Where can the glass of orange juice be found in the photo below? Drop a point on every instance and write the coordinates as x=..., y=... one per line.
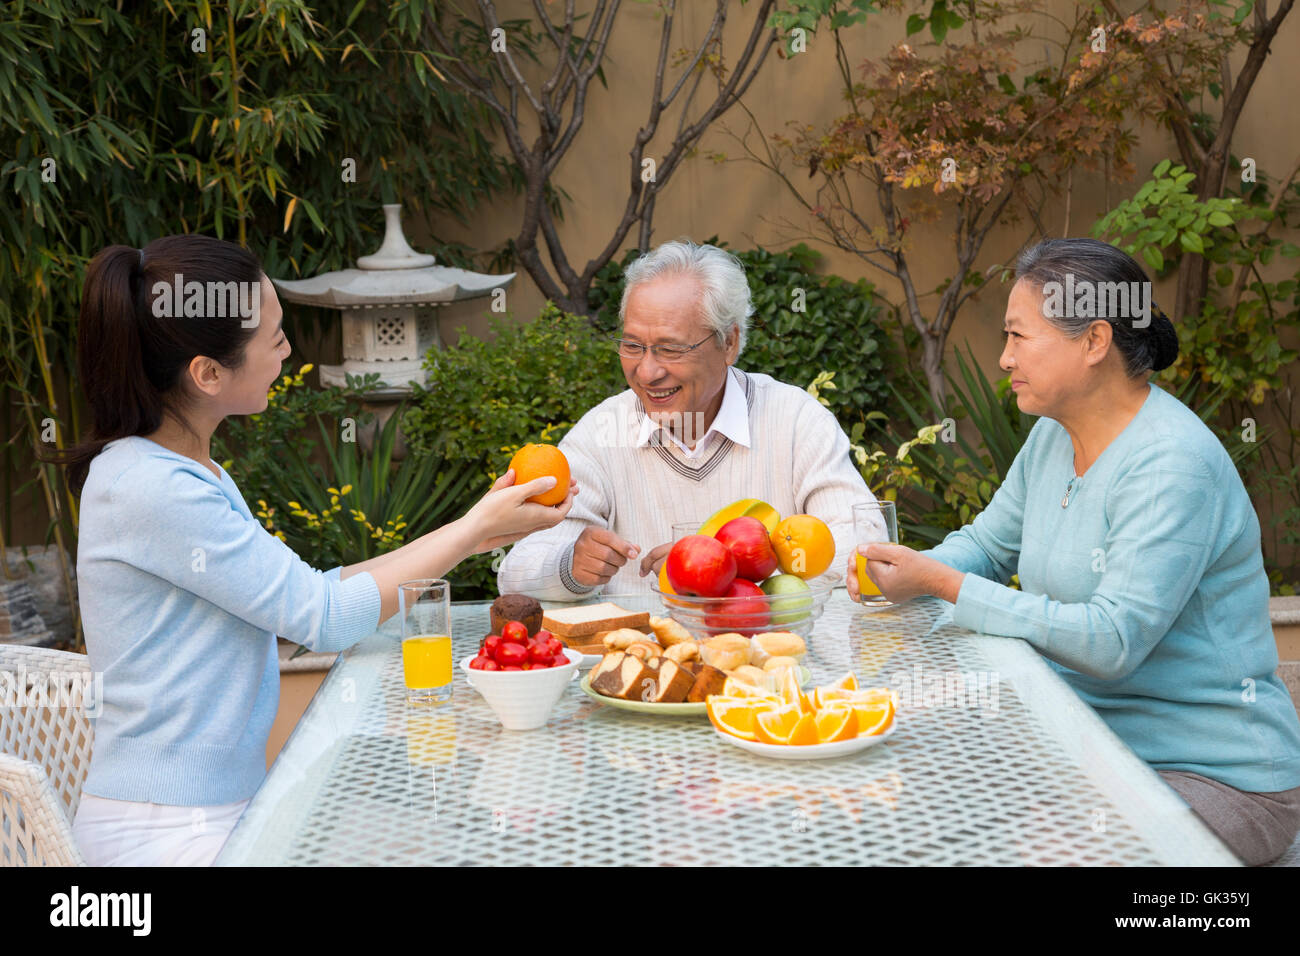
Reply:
x=874, y=522
x=425, y=609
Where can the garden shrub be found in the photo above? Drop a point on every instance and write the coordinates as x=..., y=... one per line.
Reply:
x=487, y=397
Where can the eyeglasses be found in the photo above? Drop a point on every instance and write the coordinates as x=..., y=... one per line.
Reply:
x=664, y=353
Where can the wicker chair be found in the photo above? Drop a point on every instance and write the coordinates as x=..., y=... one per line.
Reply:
x=44, y=756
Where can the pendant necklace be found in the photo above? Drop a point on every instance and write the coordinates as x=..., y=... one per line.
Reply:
x=1069, y=490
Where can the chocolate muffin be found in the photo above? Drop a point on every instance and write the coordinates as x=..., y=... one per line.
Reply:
x=516, y=607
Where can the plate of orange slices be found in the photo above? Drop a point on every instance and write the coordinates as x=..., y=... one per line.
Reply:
x=834, y=720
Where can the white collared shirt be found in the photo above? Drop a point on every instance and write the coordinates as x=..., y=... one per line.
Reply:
x=731, y=421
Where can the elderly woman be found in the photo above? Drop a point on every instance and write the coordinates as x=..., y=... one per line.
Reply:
x=1138, y=551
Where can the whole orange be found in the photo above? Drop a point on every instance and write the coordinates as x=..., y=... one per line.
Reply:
x=537, y=461
x=664, y=586
x=804, y=546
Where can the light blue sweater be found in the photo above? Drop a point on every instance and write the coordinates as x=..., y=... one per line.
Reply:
x=182, y=594
x=1147, y=593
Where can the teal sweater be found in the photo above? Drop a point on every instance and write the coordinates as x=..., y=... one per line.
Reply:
x=182, y=594
x=1147, y=593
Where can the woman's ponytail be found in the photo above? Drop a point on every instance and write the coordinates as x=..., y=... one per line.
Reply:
x=130, y=359
x=1162, y=341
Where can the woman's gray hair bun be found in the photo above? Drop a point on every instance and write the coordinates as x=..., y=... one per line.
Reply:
x=1149, y=345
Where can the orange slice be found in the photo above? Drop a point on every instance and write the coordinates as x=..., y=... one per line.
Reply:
x=774, y=725
x=734, y=687
x=838, y=722
x=872, y=695
x=735, y=715
x=874, y=718
x=792, y=693
x=805, y=731
x=847, y=682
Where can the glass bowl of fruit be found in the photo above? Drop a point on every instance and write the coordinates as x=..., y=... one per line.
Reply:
x=792, y=605
x=748, y=573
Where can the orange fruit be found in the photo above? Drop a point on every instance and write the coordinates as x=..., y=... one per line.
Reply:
x=793, y=694
x=804, y=732
x=734, y=687
x=828, y=691
x=736, y=715
x=836, y=723
x=848, y=682
x=664, y=586
x=804, y=546
x=875, y=717
x=823, y=696
x=775, y=724
x=538, y=461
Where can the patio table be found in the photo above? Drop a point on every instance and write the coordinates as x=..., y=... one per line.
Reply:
x=995, y=761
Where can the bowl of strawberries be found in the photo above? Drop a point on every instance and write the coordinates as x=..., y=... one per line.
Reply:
x=521, y=677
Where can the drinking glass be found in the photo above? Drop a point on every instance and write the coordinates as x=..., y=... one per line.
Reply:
x=874, y=522
x=684, y=529
x=425, y=609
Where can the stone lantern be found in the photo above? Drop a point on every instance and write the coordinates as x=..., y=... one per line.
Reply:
x=389, y=311
x=388, y=305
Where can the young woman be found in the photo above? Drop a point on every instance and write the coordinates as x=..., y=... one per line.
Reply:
x=182, y=591
x=1142, y=580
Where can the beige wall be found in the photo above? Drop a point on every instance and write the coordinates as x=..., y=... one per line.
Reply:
x=747, y=207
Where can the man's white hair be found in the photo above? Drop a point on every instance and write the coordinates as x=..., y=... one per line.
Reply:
x=724, y=299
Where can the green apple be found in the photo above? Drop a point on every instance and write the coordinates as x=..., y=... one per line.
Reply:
x=788, y=610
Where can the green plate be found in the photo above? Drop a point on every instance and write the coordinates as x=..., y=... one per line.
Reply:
x=663, y=710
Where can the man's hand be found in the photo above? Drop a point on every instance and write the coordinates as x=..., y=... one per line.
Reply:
x=598, y=554
x=902, y=574
x=655, y=558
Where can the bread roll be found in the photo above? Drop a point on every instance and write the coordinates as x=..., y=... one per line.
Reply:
x=725, y=652
x=644, y=650
x=775, y=664
x=669, y=632
x=777, y=644
x=683, y=652
x=752, y=675
x=621, y=638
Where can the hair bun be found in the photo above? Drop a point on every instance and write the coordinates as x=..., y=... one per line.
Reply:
x=1162, y=340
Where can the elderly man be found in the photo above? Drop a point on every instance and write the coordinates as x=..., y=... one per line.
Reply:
x=690, y=435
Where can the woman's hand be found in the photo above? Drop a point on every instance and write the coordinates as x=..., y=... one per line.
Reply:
x=902, y=574
x=503, y=515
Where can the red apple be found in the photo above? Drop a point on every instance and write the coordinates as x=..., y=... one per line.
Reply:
x=745, y=613
x=698, y=564
x=749, y=543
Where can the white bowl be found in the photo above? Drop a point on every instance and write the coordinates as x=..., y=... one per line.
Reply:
x=522, y=700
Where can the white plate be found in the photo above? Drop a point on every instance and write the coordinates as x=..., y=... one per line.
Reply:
x=841, y=748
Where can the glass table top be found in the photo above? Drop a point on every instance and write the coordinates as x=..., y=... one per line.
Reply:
x=995, y=761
